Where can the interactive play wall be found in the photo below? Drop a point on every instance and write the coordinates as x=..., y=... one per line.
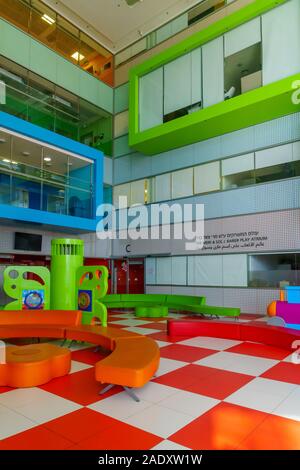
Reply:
x=67, y=286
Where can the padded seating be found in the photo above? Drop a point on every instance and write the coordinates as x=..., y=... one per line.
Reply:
x=185, y=303
x=134, y=359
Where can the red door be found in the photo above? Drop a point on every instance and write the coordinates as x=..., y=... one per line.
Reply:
x=136, y=277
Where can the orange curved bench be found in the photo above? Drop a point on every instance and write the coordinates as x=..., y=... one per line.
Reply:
x=134, y=359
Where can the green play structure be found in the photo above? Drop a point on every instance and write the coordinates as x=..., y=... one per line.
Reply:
x=72, y=286
x=69, y=285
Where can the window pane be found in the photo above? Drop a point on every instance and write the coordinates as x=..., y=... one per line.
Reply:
x=67, y=41
x=96, y=60
x=16, y=12
x=42, y=23
x=274, y=270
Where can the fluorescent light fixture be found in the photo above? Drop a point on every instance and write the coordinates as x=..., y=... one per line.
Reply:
x=5, y=160
x=26, y=154
x=61, y=101
x=10, y=75
x=47, y=159
x=48, y=19
x=2, y=140
x=77, y=56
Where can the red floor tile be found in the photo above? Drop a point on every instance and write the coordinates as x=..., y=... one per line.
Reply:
x=80, y=387
x=80, y=425
x=275, y=433
x=185, y=376
x=224, y=427
x=206, y=381
x=120, y=436
x=285, y=372
x=180, y=352
x=259, y=350
x=161, y=336
x=89, y=356
x=37, y=438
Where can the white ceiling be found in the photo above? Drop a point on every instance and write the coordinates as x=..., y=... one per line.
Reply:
x=116, y=25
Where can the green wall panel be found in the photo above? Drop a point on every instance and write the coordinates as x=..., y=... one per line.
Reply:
x=122, y=98
x=43, y=61
x=67, y=75
x=88, y=89
x=105, y=97
x=14, y=44
x=121, y=146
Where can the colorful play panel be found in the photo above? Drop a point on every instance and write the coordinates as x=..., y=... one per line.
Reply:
x=33, y=365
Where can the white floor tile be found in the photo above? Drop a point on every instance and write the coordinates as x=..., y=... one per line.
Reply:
x=169, y=445
x=154, y=392
x=13, y=423
x=290, y=407
x=119, y=406
x=78, y=366
x=159, y=420
x=22, y=396
x=261, y=394
x=189, y=403
x=141, y=331
x=162, y=344
x=240, y=363
x=218, y=344
x=168, y=365
x=130, y=322
x=47, y=408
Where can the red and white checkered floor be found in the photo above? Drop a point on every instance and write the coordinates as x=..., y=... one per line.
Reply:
x=209, y=393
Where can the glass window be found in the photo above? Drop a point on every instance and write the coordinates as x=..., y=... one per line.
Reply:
x=16, y=12
x=238, y=171
x=182, y=183
x=276, y=270
x=95, y=59
x=95, y=127
x=68, y=42
x=42, y=23
x=207, y=178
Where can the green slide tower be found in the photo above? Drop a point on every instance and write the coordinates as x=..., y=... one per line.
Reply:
x=66, y=258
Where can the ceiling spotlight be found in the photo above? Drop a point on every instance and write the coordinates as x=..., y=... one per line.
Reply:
x=77, y=56
x=47, y=159
x=5, y=160
x=26, y=154
x=2, y=140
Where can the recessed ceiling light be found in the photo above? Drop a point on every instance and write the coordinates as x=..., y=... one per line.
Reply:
x=77, y=56
x=47, y=159
x=14, y=163
x=48, y=19
x=5, y=160
x=2, y=140
x=26, y=154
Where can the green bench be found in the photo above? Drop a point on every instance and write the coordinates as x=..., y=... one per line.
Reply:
x=157, y=305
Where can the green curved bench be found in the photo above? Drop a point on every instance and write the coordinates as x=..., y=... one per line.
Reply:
x=142, y=302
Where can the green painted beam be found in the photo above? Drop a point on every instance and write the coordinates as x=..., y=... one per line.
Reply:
x=257, y=106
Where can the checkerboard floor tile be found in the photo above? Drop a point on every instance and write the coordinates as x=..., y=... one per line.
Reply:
x=202, y=383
